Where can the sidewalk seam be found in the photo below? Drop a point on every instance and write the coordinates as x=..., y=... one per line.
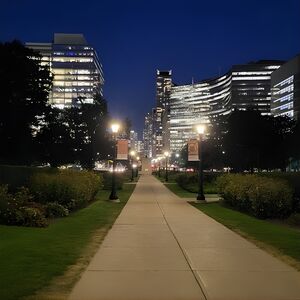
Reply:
x=183, y=252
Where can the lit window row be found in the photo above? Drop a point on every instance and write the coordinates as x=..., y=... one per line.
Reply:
x=284, y=98
x=253, y=73
x=285, y=106
x=72, y=59
x=286, y=81
x=287, y=89
x=252, y=78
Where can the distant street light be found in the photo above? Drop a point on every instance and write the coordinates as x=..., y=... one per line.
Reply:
x=137, y=168
x=159, y=173
x=200, y=196
x=167, y=154
x=132, y=154
x=113, y=195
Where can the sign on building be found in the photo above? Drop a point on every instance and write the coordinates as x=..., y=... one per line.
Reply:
x=122, y=150
x=193, y=150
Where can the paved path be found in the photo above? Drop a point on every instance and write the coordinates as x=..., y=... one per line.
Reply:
x=163, y=248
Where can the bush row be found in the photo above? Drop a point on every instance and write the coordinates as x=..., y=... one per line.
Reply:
x=260, y=196
x=49, y=195
x=189, y=182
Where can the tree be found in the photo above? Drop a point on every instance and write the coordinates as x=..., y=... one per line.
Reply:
x=25, y=85
x=256, y=141
x=76, y=134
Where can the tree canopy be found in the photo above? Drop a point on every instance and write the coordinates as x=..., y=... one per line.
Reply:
x=25, y=85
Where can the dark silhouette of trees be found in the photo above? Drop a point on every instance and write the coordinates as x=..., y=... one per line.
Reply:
x=255, y=141
x=76, y=134
x=24, y=85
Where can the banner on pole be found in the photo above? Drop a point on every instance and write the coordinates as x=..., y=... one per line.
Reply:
x=122, y=147
x=193, y=150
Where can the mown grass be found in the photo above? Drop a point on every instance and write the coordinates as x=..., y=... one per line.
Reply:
x=278, y=239
x=32, y=257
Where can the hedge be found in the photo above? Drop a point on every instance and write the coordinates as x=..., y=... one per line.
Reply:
x=71, y=189
x=260, y=196
x=17, y=176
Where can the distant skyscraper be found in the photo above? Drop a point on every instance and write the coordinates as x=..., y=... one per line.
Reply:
x=133, y=140
x=161, y=113
x=78, y=74
x=286, y=89
x=148, y=135
x=163, y=88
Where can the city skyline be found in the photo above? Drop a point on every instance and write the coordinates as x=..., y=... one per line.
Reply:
x=137, y=38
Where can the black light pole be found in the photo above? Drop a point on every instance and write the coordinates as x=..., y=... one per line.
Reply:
x=200, y=196
x=113, y=195
x=137, y=167
x=167, y=156
x=159, y=174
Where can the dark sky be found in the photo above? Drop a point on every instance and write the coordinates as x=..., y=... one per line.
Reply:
x=135, y=37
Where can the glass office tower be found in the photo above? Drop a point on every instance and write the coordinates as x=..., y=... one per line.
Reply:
x=286, y=89
x=243, y=87
x=77, y=72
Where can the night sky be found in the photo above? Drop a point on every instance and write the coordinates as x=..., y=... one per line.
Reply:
x=135, y=37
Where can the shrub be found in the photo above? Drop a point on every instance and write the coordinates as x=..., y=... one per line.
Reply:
x=189, y=182
x=54, y=210
x=33, y=217
x=8, y=213
x=19, y=210
x=72, y=189
x=18, y=176
x=271, y=198
x=260, y=196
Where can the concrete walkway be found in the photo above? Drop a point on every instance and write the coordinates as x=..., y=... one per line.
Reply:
x=163, y=248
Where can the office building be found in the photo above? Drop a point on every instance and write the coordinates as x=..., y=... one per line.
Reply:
x=285, y=84
x=133, y=140
x=246, y=86
x=194, y=104
x=162, y=112
x=148, y=135
x=77, y=71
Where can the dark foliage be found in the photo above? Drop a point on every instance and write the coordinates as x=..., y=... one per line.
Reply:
x=24, y=85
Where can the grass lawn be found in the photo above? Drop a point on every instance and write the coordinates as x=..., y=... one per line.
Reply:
x=279, y=240
x=32, y=257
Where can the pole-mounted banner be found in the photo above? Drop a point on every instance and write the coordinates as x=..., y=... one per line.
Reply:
x=193, y=150
x=122, y=151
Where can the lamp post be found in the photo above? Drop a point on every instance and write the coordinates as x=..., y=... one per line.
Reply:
x=167, y=157
x=200, y=196
x=113, y=195
x=137, y=167
x=159, y=174
x=132, y=154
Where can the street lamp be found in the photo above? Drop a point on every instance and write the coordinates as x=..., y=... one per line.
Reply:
x=132, y=154
x=113, y=195
x=167, y=156
x=200, y=197
x=159, y=159
x=137, y=168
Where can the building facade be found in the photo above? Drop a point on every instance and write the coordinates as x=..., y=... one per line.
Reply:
x=196, y=104
x=77, y=71
x=133, y=140
x=161, y=114
x=251, y=85
x=245, y=86
x=148, y=135
x=285, y=89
